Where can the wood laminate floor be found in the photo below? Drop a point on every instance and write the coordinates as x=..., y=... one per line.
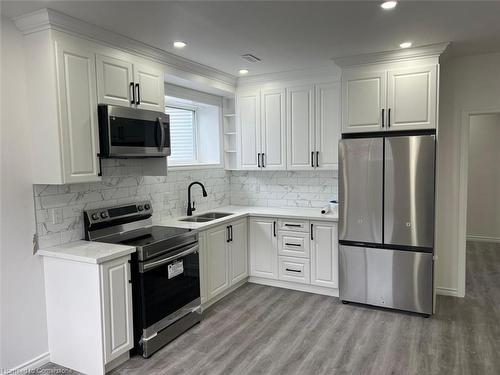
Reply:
x=266, y=330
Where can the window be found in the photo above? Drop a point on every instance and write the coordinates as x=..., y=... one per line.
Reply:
x=182, y=134
x=194, y=132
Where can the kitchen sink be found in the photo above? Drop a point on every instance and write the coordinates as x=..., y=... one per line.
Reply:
x=203, y=218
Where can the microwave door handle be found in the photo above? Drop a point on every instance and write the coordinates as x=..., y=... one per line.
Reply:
x=162, y=131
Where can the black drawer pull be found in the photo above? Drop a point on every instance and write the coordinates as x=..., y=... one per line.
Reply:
x=293, y=244
x=290, y=270
x=293, y=225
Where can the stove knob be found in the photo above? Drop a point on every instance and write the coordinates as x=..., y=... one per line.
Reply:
x=147, y=206
x=140, y=208
x=104, y=214
x=95, y=217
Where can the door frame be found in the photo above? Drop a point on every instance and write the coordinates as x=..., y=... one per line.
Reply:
x=463, y=191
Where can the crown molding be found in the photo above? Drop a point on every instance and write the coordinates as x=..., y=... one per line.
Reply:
x=47, y=18
x=431, y=50
x=331, y=72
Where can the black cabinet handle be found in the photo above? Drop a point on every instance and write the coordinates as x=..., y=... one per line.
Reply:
x=312, y=159
x=293, y=225
x=228, y=236
x=138, y=101
x=263, y=160
x=312, y=237
x=132, y=96
x=389, y=118
x=100, y=165
x=383, y=112
x=293, y=244
x=258, y=160
x=231, y=233
x=291, y=270
x=274, y=228
x=317, y=158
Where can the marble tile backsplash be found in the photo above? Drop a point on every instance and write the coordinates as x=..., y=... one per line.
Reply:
x=168, y=195
x=283, y=188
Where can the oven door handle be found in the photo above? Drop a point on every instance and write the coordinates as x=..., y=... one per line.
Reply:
x=148, y=266
x=162, y=130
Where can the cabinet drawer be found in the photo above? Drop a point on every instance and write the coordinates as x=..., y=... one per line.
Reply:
x=294, y=269
x=295, y=225
x=293, y=244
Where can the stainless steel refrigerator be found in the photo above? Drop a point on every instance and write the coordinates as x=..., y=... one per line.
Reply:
x=386, y=220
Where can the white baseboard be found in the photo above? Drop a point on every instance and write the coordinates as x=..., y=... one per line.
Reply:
x=30, y=365
x=294, y=286
x=483, y=239
x=447, y=292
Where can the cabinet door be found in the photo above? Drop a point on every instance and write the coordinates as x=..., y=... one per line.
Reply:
x=238, y=249
x=114, y=80
x=411, y=98
x=324, y=254
x=300, y=127
x=75, y=64
x=363, y=98
x=273, y=129
x=116, y=298
x=263, y=248
x=217, y=260
x=151, y=90
x=248, y=115
x=328, y=119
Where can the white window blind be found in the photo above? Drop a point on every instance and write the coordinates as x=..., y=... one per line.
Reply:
x=182, y=134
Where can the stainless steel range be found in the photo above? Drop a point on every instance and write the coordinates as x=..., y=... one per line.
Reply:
x=165, y=271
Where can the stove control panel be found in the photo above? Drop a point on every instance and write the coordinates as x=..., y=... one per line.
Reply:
x=100, y=215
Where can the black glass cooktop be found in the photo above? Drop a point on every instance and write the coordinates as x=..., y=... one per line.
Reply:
x=147, y=236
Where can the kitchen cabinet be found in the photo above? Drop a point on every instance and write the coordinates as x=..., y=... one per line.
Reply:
x=324, y=254
x=127, y=83
x=328, y=125
x=98, y=298
x=390, y=99
x=263, y=245
x=248, y=125
x=225, y=249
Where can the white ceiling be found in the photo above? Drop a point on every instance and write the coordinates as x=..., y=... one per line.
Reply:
x=286, y=35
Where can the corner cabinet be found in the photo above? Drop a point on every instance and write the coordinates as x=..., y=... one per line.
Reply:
x=399, y=97
x=263, y=247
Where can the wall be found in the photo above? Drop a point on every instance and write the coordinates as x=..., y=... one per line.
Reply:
x=470, y=83
x=282, y=189
x=168, y=195
x=23, y=332
x=483, y=202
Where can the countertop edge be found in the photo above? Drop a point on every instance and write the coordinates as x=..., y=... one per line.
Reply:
x=55, y=252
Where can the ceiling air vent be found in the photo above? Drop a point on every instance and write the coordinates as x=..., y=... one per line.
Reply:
x=251, y=58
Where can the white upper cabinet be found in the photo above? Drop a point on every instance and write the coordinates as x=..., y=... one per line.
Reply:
x=411, y=98
x=273, y=141
x=328, y=118
x=115, y=81
x=248, y=116
x=300, y=128
x=364, y=99
x=127, y=83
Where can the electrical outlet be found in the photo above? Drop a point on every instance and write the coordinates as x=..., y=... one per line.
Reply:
x=57, y=215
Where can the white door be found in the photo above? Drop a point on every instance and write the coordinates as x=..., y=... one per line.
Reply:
x=300, y=127
x=116, y=308
x=149, y=87
x=324, y=254
x=328, y=125
x=217, y=260
x=78, y=109
x=263, y=248
x=115, y=84
x=273, y=129
x=238, y=248
x=411, y=98
x=248, y=117
x=363, y=101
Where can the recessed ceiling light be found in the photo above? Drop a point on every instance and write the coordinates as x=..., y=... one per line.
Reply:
x=243, y=71
x=179, y=44
x=389, y=4
x=405, y=45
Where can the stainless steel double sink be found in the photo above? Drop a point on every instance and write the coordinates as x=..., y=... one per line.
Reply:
x=203, y=218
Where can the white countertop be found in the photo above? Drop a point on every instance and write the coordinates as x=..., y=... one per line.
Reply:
x=87, y=251
x=244, y=211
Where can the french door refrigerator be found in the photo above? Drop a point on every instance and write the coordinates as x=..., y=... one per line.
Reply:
x=386, y=220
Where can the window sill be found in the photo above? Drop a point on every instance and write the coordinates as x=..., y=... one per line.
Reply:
x=186, y=167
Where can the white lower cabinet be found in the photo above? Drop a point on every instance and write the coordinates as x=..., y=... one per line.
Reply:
x=89, y=313
x=294, y=269
x=224, y=258
x=263, y=247
x=324, y=254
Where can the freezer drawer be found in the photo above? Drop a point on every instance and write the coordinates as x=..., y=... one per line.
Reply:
x=388, y=278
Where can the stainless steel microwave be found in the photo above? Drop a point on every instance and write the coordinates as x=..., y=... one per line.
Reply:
x=133, y=133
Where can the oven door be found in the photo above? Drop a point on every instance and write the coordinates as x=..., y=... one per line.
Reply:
x=169, y=288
